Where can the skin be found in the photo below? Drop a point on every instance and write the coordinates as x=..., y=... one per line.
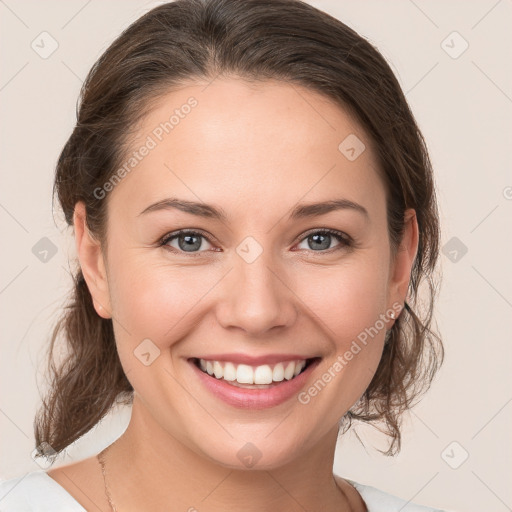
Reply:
x=254, y=150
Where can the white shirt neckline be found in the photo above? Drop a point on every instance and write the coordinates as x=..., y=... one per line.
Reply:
x=38, y=491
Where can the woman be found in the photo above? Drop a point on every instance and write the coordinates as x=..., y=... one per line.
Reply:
x=254, y=212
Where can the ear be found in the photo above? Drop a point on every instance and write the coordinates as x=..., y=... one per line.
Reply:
x=92, y=263
x=401, y=266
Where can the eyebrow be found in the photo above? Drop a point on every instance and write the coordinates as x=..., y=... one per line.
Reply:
x=199, y=209
x=299, y=212
x=316, y=209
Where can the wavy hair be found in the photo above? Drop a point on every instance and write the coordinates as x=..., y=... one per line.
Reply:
x=287, y=40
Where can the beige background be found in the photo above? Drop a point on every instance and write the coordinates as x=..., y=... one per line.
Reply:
x=463, y=106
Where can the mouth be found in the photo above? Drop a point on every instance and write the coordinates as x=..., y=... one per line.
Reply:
x=251, y=376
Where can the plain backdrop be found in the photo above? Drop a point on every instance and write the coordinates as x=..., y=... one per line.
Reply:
x=453, y=60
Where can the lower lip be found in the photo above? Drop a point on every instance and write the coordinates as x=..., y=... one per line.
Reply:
x=245, y=398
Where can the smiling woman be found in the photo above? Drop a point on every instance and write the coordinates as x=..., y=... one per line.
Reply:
x=250, y=284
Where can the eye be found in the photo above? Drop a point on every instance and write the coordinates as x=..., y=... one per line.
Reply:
x=190, y=241
x=320, y=240
x=187, y=241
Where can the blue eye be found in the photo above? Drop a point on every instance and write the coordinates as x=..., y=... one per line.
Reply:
x=188, y=241
x=321, y=240
x=318, y=241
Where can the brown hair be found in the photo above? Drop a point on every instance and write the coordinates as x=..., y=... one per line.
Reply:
x=287, y=40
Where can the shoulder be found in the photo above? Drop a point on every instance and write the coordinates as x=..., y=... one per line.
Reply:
x=380, y=501
x=36, y=491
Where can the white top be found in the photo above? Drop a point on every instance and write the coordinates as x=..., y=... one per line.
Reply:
x=38, y=492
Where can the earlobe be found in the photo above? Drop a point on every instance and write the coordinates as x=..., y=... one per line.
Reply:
x=92, y=262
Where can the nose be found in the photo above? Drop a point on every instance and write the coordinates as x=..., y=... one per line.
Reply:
x=256, y=297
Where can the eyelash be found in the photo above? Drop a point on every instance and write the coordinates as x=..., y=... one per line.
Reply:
x=345, y=240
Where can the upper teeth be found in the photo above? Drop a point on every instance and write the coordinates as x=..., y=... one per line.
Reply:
x=245, y=374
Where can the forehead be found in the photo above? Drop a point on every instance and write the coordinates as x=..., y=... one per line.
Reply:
x=249, y=145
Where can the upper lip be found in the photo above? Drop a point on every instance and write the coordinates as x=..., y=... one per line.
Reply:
x=254, y=360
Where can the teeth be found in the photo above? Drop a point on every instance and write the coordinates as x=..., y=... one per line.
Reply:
x=298, y=369
x=229, y=371
x=278, y=373
x=263, y=374
x=217, y=370
x=245, y=374
x=289, y=371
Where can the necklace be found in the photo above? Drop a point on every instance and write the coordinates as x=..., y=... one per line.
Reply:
x=101, y=460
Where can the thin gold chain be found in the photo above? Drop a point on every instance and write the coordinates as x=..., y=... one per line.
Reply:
x=101, y=460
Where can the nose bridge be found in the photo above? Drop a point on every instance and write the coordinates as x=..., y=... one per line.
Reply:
x=256, y=297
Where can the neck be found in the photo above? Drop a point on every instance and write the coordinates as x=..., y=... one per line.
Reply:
x=148, y=469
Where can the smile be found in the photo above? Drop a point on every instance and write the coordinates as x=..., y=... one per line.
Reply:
x=252, y=376
x=244, y=382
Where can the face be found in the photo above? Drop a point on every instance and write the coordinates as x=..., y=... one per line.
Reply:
x=259, y=279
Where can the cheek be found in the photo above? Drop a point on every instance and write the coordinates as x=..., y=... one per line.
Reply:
x=349, y=303
x=346, y=300
x=156, y=301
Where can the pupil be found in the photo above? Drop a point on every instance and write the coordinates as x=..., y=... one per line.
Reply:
x=326, y=239
x=186, y=242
